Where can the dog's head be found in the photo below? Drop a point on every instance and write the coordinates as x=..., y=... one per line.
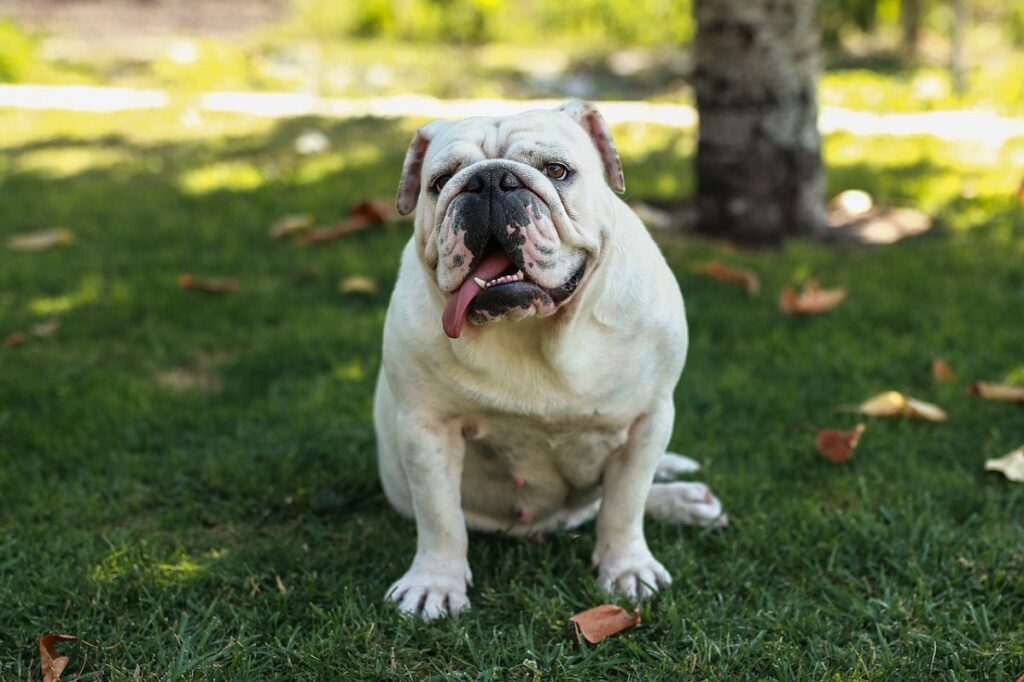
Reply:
x=510, y=210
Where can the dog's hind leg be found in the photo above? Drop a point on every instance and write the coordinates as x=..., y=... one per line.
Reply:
x=672, y=466
x=687, y=503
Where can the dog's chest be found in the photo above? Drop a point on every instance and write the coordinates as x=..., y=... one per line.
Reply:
x=574, y=449
x=527, y=469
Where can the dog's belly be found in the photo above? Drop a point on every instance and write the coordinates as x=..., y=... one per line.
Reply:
x=521, y=474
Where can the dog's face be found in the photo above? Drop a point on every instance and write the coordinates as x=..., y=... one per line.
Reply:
x=510, y=211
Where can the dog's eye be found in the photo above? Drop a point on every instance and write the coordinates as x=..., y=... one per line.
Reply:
x=556, y=171
x=440, y=181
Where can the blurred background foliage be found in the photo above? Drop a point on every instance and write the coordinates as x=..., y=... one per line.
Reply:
x=606, y=23
x=604, y=49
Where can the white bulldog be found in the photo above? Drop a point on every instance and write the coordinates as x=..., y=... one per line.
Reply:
x=555, y=402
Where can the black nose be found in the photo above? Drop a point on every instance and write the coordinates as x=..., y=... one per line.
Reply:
x=503, y=180
x=509, y=182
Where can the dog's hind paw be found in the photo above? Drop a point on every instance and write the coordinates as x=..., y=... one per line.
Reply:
x=685, y=502
x=672, y=466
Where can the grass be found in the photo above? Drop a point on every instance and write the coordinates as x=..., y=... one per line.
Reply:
x=235, y=529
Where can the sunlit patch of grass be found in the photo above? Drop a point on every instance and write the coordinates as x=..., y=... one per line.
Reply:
x=994, y=85
x=88, y=291
x=923, y=170
x=222, y=175
x=64, y=161
x=318, y=167
x=352, y=370
x=144, y=562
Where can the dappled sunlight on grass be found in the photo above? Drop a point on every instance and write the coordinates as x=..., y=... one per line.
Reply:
x=921, y=170
x=352, y=370
x=140, y=561
x=223, y=175
x=210, y=495
x=88, y=291
x=63, y=161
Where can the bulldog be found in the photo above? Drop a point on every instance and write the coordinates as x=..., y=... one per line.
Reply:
x=531, y=348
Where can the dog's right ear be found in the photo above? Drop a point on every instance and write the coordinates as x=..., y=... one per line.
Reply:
x=412, y=169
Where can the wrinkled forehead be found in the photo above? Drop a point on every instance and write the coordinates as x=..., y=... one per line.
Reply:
x=522, y=137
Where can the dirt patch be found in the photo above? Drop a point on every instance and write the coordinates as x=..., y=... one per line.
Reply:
x=201, y=375
x=114, y=19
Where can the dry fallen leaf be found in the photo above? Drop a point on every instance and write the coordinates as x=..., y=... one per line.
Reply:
x=363, y=215
x=14, y=339
x=838, y=446
x=358, y=284
x=378, y=211
x=603, y=621
x=895, y=404
x=288, y=225
x=52, y=663
x=1010, y=465
x=46, y=327
x=811, y=300
x=208, y=286
x=750, y=281
x=942, y=371
x=40, y=240
x=1003, y=392
x=281, y=587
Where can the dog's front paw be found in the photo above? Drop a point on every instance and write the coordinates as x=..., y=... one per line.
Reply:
x=432, y=592
x=635, y=576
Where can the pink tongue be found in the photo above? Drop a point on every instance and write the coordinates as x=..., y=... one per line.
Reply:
x=454, y=317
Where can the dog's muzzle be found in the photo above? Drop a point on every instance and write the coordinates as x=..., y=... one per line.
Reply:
x=506, y=232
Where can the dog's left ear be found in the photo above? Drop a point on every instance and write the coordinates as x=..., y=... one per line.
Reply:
x=587, y=115
x=412, y=169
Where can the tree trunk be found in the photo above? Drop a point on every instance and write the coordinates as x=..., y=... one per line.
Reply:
x=759, y=172
x=958, y=54
x=910, y=18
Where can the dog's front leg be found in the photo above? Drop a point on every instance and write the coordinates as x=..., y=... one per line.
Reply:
x=625, y=565
x=432, y=454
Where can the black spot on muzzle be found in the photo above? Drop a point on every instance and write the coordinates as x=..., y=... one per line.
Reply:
x=495, y=204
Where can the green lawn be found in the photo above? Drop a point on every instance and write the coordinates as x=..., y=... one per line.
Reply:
x=153, y=519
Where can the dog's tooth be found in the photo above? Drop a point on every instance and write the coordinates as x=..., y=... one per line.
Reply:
x=480, y=283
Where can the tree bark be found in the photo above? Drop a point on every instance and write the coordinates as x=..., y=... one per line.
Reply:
x=958, y=54
x=759, y=171
x=910, y=19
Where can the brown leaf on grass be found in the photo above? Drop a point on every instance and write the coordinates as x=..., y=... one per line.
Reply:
x=208, y=286
x=281, y=587
x=363, y=215
x=1010, y=465
x=838, y=446
x=378, y=211
x=601, y=622
x=46, y=327
x=1003, y=392
x=52, y=663
x=895, y=404
x=40, y=240
x=941, y=370
x=723, y=273
x=14, y=339
x=358, y=284
x=812, y=300
x=286, y=226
